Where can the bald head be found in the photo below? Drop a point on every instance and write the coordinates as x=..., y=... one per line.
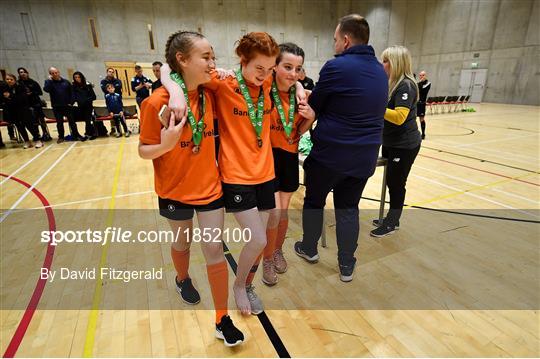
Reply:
x=54, y=73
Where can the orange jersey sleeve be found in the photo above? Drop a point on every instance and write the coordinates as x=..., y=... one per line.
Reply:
x=180, y=174
x=241, y=160
x=278, y=136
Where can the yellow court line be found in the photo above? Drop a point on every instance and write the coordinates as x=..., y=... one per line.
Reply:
x=94, y=313
x=458, y=193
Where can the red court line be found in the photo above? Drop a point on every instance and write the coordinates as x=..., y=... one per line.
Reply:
x=477, y=169
x=40, y=285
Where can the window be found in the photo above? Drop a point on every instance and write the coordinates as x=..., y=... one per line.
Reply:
x=93, y=32
x=28, y=33
x=151, y=36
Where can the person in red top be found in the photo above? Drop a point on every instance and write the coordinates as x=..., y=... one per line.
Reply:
x=289, y=122
x=245, y=159
x=185, y=171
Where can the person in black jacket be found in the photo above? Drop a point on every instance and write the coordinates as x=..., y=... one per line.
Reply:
x=401, y=138
x=18, y=107
x=306, y=82
x=61, y=94
x=84, y=96
x=36, y=103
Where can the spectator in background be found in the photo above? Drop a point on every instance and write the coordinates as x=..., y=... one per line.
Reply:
x=3, y=104
x=423, y=86
x=117, y=84
x=141, y=85
x=156, y=68
x=84, y=96
x=116, y=110
x=306, y=81
x=349, y=102
x=61, y=94
x=18, y=105
x=36, y=103
x=110, y=79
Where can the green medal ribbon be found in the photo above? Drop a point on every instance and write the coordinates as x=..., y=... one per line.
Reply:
x=287, y=126
x=197, y=127
x=255, y=118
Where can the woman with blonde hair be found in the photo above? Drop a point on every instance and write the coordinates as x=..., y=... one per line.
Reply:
x=401, y=138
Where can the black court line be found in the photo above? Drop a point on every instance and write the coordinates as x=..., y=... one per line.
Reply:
x=480, y=159
x=263, y=318
x=461, y=213
x=471, y=132
x=453, y=212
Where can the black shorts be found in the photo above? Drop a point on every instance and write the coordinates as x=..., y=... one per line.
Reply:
x=241, y=197
x=420, y=109
x=178, y=211
x=287, y=170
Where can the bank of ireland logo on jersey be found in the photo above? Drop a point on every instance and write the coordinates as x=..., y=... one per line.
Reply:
x=238, y=198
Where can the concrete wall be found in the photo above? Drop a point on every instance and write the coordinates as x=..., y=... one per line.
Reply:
x=444, y=36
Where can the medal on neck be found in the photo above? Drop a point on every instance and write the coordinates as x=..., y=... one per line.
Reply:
x=287, y=125
x=256, y=118
x=197, y=127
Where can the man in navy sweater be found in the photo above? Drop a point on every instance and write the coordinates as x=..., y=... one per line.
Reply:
x=61, y=95
x=349, y=101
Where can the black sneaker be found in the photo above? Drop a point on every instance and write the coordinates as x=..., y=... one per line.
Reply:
x=346, y=272
x=300, y=252
x=226, y=330
x=187, y=291
x=382, y=231
x=375, y=222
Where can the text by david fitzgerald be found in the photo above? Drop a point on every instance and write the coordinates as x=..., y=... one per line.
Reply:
x=105, y=273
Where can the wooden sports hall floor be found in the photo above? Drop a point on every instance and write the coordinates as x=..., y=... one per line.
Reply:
x=445, y=284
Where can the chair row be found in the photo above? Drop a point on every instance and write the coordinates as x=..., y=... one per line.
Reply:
x=442, y=104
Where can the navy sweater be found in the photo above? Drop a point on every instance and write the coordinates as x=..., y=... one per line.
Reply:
x=350, y=100
x=114, y=103
x=60, y=92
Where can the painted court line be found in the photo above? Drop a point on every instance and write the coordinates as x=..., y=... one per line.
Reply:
x=491, y=152
x=26, y=164
x=20, y=332
x=94, y=312
x=495, y=140
x=29, y=190
x=466, y=193
x=96, y=199
x=477, y=184
x=481, y=170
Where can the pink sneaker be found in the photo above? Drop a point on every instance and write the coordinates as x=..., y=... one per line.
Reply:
x=270, y=277
x=280, y=264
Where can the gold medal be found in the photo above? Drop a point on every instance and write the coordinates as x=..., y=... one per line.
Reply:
x=196, y=149
x=259, y=142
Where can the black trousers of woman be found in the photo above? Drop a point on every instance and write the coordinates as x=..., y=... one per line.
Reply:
x=23, y=120
x=85, y=113
x=400, y=161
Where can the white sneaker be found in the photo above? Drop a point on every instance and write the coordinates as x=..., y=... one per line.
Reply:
x=254, y=301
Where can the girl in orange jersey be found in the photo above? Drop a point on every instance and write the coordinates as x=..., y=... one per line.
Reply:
x=289, y=122
x=243, y=108
x=185, y=172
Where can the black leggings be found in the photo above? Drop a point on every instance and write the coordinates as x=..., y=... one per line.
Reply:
x=400, y=161
x=24, y=121
x=85, y=113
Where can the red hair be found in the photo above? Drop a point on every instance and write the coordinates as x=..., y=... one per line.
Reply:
x=254, y=43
